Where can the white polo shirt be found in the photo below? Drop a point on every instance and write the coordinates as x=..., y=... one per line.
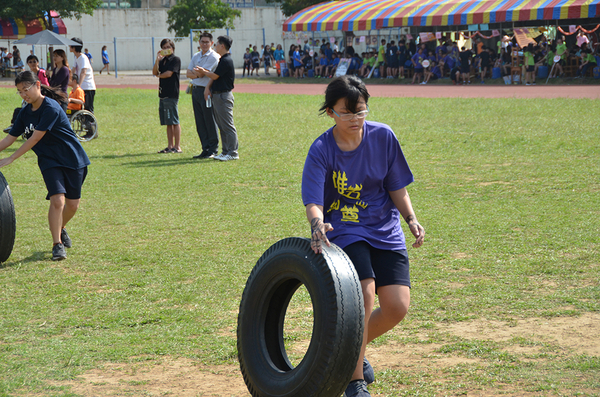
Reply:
x=208, y=61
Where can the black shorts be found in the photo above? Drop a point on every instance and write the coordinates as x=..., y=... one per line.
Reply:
x=531, y=68
x=385, y=266
x=62, y=180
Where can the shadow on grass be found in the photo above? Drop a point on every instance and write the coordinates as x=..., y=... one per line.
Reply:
x=35, y=257
x=169, y=162
x=118, y=156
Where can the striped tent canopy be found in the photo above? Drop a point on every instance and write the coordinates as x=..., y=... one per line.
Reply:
x=14, y=28
x=355, y=15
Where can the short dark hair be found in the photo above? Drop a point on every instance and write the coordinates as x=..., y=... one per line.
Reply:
x=206, y=34
x=77, y=48
x=75, y=77
x=169, y=42
x=30, y=57
x=225, y=40
x=349, y=87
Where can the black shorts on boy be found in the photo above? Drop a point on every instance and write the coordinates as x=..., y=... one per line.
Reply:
x=62, y=180
x=387, y=267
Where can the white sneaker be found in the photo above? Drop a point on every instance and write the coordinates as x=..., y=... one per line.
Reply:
x=226, y=157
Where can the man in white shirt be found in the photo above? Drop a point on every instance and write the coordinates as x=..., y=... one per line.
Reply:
x=205, y=119
x=83, y=69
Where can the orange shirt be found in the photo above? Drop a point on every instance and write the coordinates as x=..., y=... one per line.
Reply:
x=76, y=93
x=479, y=48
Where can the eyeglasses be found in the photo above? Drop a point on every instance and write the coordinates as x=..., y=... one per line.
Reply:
x=24, y=90
x=204, y=42
x=350, y=116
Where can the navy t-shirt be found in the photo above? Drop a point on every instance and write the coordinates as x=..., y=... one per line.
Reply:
x=59, y=147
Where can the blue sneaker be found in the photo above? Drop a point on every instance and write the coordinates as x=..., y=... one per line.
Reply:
x=357, y=388
x=66, y=240
x=368, y=372
x=58, y=252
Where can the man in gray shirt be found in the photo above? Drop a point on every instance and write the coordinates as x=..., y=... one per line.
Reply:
x=206, y=59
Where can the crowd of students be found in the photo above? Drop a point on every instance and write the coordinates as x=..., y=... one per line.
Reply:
x=268, y=56
x=429, y=61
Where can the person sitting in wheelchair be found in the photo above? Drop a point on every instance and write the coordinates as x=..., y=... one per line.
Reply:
x=84, y=127
x=76, y=97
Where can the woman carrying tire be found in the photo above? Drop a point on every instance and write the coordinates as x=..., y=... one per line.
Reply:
x=354, y=189
x=61, y=158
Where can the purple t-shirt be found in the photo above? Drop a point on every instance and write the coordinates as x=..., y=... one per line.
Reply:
x=418, y=58
x=449, y=61
x=353, y=187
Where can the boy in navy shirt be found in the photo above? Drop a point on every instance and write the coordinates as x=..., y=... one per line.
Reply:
x=61, y=158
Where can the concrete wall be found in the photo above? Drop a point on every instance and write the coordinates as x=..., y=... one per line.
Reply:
x=135, y=29
x=139, y=32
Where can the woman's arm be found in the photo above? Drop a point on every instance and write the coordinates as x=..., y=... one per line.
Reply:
x=155, y=67
x=35, y=138
x=318, y=229
x=402, y=201
x=7, y=141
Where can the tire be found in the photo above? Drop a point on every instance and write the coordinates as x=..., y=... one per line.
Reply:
x=338, y=308
x=84, y=124
x=8, y=223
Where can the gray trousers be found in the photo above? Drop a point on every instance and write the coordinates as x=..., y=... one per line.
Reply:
x=205, y=122
x=223, y=110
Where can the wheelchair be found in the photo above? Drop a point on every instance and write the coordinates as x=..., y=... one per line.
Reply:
x=83, y=123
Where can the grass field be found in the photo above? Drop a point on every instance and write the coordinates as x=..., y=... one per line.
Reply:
x=508, y=191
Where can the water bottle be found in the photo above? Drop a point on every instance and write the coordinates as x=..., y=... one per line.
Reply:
x=209, y=102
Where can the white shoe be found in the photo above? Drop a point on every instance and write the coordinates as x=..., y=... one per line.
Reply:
x=226, y=157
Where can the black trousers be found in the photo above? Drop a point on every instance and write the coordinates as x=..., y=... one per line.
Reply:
x=205, y=121
x=89, y=100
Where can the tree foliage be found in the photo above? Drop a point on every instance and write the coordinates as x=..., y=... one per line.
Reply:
x=31, y=9
x=290, y=7
x=200, y=14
